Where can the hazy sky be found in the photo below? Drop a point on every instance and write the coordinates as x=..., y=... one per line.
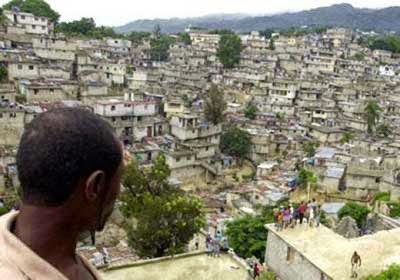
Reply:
x=118, y=12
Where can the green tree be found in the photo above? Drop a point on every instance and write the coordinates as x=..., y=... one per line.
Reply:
x=137, y=37
x=272, y=44
x=360, y=56
x=3, y=73
x=37, y=7
x=267, y=33
x=382, y=196
x=394, y=209
x=157, y=31
x=280, y=117
x=161, y=219
x=247, y=236
x=310, y=148
x=306, y=177
x=229, y=49
x=372, y=114
x=160, y=45
x=387, y=43
x=392, y=273
x=384, y=130
x=250, y=111
x=358, y=212
x=184, y=37
x=214, y=106
x=221, y=32
x=236, y=142
x=86, y=27
x=3, y=18
x=346, y=137
x=267, y=275
x=320, y=29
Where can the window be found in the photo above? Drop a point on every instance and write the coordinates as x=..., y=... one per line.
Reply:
x=31, y=67
x=36, y=19
x=290, y=255
x=112, y=108
x=188, y=158
x=22, y=17
x=43, y=27
x=51, y=90
x=20, y=67
x=178, y=159
x=1, y=115
x=33, y=26
x=35, y=91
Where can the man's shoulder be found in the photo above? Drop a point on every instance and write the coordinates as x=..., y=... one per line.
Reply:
x=9, y=271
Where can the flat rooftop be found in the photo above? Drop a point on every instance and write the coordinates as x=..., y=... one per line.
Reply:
x=198, y=267
x=332, y=253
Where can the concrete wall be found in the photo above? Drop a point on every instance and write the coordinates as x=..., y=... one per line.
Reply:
x=55, y=54
x=11, y=127
x=53, y=72
x=298, y=268
x=189, y=174
x=184, y=162
x=45, y=95
x=23, y=70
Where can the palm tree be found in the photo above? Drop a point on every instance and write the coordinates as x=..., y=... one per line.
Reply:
x=371, y=115
x=307, y=178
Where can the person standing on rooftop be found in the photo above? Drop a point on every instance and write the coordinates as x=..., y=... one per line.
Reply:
x=70, y=165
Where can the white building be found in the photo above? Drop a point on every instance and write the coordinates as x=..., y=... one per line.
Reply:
x=31, y=23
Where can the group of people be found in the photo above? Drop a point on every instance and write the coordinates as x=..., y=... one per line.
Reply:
x=308, y=214
x=216, y=244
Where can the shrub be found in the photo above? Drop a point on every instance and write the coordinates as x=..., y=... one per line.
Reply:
x=358, y=212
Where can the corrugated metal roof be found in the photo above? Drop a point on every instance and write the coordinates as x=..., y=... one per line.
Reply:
x=325, y=153
x=335, y=172
x=332, y=207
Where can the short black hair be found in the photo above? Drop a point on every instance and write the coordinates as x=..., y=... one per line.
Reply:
x=60, y=147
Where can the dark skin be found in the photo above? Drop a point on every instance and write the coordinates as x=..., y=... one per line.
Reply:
x=356, y=259
x=43, y=228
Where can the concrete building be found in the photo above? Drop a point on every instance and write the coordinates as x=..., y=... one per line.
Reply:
x=30, y=23
x=320, y=253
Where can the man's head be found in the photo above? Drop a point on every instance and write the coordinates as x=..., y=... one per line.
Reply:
x=71, y=158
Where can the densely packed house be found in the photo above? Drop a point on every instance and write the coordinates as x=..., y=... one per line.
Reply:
x=311, y=87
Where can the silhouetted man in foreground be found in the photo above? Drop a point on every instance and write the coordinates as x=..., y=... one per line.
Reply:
x=69, y=165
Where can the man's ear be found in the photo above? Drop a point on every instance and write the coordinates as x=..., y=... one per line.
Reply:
x=95, y=185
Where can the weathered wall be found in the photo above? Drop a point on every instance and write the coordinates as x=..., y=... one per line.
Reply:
x=299, y=268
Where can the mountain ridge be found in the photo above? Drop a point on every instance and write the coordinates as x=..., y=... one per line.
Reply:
x=343, y=15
